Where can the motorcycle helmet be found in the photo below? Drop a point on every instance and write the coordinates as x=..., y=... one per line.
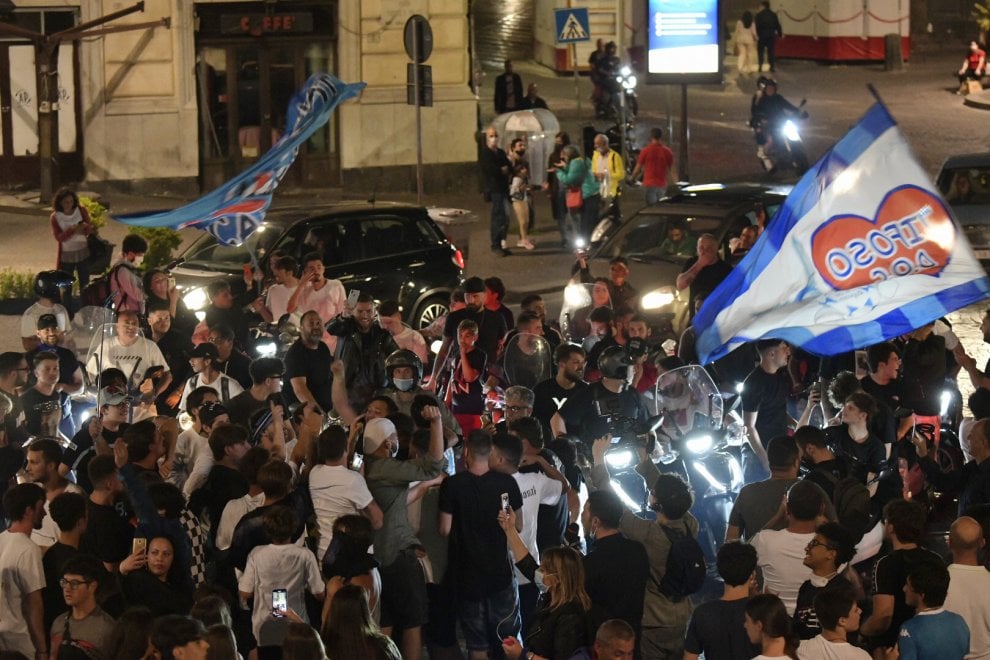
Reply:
x=614, y=362
x=761, y=82
x=404, y=358
x=52, y=284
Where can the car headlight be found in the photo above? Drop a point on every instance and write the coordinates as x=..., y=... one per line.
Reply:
x=196, y=299
x=791, y=131
x=657, y=298
x=576, y=295
x=699, y=444
x=620, y=460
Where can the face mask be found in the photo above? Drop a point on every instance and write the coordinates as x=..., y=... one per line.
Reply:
x=138, y=260
x=492, y=142
x=819, y=581
x=403, y=384
x=538, y=581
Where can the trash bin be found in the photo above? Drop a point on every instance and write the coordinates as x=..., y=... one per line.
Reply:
x=892, y=58
x=456, y=225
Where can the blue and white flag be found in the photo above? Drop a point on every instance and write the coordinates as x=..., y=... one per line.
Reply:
x=234, y=210
x=864, y=249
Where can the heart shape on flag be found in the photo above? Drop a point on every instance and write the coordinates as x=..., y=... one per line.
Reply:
x=911, y=233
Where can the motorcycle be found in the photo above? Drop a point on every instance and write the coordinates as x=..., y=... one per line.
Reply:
x=579, y=300
x=619, y=90
x=780, y=145
x=701, y=443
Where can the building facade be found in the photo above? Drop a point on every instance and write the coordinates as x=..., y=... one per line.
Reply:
x=191, y=104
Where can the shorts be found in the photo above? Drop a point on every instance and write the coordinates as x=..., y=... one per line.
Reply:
x=485, y=623
x=404, y=601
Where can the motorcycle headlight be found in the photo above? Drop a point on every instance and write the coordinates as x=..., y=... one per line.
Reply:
x=945, y=399
x=630, y=83
x=599, y=232
x=436, y=346
x=196, y=299
x=699, y=444
x=266, y=349
x=791, y=131
x=576, y=295
x=620, y=460
x=657, y=298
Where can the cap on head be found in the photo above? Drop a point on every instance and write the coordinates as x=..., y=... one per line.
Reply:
x=210, y=411
x=113, y=396
x=205, y=350
x=474, y=285
x=376, y=432
x=47, y=321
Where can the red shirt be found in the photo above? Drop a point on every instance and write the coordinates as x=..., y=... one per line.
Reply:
x=655, y=159
x=972, y=60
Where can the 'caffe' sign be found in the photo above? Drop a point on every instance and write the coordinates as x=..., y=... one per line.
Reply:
x=257, y=25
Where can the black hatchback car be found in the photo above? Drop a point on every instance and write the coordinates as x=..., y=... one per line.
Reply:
x=391, y=251
x=719, y=209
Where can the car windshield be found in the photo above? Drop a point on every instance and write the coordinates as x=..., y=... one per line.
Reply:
x=654, y=236
x=207, y=253
x=965, y=186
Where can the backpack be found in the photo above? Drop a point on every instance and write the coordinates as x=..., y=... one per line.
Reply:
x=686, y=568
x=853, y=506
x=99, y=291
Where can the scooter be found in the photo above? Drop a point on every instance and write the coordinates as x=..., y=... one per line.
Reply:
x=781, y=146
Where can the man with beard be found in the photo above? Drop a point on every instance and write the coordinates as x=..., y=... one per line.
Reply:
x=553, y=393
x=21, y=609
x=307, y=365
x=764, y=404
x=533, y=302
x=13, y=376
x=362, y=345
x=491, y=325
x=175, y=348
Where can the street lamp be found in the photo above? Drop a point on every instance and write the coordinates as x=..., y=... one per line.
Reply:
x=627, y=83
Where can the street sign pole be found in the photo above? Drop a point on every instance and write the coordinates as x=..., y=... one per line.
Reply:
x=572, y=26
x=577, y=89
x=419, y=123
x=685, y=136
x=418, y=38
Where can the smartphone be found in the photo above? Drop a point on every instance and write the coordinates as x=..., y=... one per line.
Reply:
x=280, y=602
x=352, y=298
x=357, y=462
x=139, y=545
x=505, y=503
x=171, y=282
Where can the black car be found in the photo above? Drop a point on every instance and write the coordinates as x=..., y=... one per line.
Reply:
x=391, y=251
x=723, y=210
x=964, y=181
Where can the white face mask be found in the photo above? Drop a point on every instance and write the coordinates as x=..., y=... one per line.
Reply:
x=492, y=142
x=403, y=384
x=138, y=260
x=538, y=581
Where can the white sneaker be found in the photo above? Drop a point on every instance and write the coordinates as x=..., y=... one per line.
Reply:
x=503, y=243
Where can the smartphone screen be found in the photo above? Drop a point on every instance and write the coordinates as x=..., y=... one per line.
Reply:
x=280, y=602
x=357, y=462
x=505, y=503
x=352, y=298
x=139, y=545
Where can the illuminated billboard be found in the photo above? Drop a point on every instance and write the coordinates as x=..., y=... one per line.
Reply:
x=683, y=42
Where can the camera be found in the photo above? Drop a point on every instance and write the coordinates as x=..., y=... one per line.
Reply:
x=624, y=430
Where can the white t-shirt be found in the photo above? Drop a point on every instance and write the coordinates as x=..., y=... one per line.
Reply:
x=133, y=360
x=820, y=648
x=232, y=514
x=781, y=559
x=969, y=587
x=20, y=562
x=336, y=491
x=328, y=301
x=271, y=567
x=278, y=300
x=227, y=388
x=29, y=320
x=536, y=488
x=189, y=446
x=48, y=534
x=411, y=340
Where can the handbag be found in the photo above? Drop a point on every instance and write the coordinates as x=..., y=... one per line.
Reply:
x=98, y=247
x=574, y=199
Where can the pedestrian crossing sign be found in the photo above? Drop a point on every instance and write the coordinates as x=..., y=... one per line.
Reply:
x=572, y=25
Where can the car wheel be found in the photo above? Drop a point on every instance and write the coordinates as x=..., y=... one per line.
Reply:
x=431, y=309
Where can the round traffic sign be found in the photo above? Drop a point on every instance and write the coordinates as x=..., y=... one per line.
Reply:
x=418, y=38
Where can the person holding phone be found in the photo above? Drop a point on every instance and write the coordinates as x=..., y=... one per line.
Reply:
x=315, y=292
x=277, y=577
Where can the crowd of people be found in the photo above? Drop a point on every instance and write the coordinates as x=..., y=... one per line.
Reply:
x=351, y=500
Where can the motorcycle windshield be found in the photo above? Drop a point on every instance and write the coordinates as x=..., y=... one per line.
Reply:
x=86, y=324
x=580, y=299
x=526, y=360
x=122, y=345
x=689, y=400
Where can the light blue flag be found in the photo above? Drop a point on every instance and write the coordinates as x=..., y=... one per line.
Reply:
x=237, y=208
x=863, y=249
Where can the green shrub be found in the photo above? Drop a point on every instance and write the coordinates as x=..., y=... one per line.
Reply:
x=161, y=242
x=97, y=212
x=14, y=284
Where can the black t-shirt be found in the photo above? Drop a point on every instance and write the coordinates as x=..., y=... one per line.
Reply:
x=766, y=395
x=14, y=421
x=862, y=458
x=491, y=328
x=828, y=473
x=313, y=364
x=478, y=556
x=78, y=455
x=616, y=570
x=222, y=485
x=548, y=397
x=108, y=535
x=33, y=401
x=891, y=575
x=175, y=349
x=242, y=406
x=889, y=394
x=238, y=367
x=581, y=417
x=805, y=619
x=708, y=278
x=468, y=398
x=67, y=362
x=716, y=629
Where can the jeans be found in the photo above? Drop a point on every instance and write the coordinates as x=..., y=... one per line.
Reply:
x=486, y=622
x=767, y=46
x=654, y=194
x=589, y=216
x=500, y=219
x=81, y=269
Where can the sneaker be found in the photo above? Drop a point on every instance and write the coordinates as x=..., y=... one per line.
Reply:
x=503, y=243
x=527, y=244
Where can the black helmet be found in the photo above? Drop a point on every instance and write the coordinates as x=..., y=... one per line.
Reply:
x=614, y=362
x=52, y=283
x=404, y=358
x=763, y=81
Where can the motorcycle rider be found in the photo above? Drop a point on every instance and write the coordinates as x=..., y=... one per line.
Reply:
x=404, y=371
x=588, y=411
x=769, y=110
